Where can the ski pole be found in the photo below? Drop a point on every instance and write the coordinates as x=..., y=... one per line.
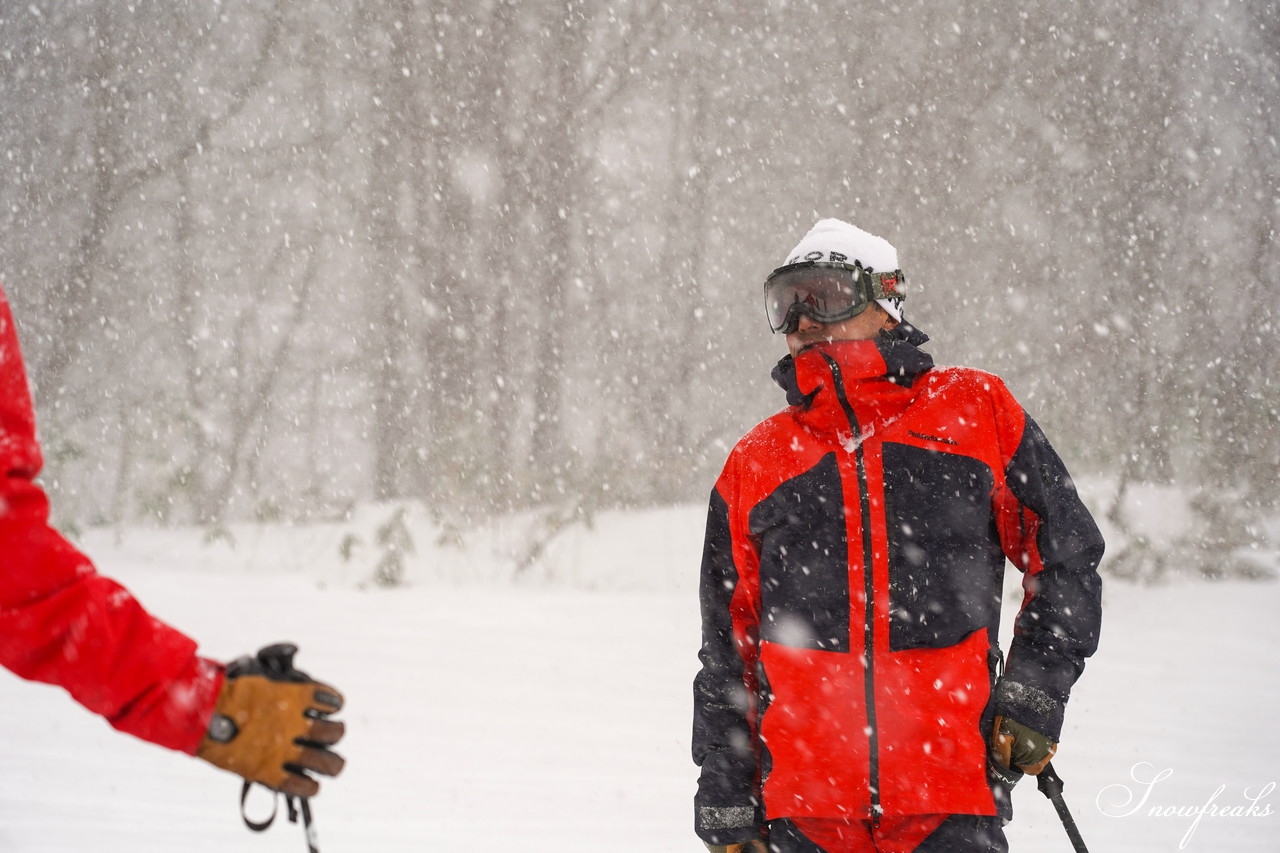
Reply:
x=1050, y=784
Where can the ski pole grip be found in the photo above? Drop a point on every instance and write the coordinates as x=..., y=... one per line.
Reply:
x=1049, y=782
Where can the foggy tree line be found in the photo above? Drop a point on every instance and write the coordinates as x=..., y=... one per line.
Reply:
x=274, y=257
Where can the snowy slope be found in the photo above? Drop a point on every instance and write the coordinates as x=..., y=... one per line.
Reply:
x=551, y=712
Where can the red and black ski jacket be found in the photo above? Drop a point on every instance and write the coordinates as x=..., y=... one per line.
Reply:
x=63, y=623
x=851, y=586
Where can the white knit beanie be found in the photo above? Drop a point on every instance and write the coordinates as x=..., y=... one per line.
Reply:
x=838, y=241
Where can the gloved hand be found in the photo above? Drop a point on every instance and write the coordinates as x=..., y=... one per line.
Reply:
x=755, y=845
x=270, y=724
x=1020, y=746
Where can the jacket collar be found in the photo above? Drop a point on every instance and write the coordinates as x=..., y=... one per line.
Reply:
x=894, y=356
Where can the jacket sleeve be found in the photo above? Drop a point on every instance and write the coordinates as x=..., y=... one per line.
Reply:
x=1053, y=539
x=725, y=741
x=63, y=623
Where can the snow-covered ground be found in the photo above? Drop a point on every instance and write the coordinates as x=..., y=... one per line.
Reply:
x=551, y=711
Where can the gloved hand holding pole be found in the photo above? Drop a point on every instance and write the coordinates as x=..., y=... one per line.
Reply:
x=271, y=724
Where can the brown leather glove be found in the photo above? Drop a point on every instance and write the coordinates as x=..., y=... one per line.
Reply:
x=270, y=724
x=1017, y=745
x=755, y=845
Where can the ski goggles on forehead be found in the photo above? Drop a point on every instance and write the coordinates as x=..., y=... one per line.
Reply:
x=825, y=292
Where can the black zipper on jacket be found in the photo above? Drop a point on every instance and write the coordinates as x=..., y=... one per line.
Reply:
x=864, y=500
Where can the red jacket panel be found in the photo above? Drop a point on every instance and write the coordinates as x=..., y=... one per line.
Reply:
x=63, y=623
x=851, y=586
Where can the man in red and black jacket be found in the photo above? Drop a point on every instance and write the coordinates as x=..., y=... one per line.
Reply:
x=853, y=696
x=63, y=623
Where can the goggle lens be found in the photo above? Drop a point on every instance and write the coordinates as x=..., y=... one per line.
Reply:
x=828, y=294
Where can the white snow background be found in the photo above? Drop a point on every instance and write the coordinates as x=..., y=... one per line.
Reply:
x=550, y=711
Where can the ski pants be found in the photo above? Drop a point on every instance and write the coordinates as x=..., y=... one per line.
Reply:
x=909, y=834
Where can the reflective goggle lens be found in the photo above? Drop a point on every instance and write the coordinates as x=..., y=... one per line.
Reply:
x=828, y=293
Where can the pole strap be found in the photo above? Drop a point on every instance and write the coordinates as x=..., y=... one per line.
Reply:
x=294, y=807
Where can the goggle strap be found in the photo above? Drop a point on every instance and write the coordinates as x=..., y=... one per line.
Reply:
x=884, y=285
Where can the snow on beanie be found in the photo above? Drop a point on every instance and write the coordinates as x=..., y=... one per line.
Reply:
x=836, y=240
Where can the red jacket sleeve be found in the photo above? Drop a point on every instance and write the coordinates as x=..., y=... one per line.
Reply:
x=63, y=623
